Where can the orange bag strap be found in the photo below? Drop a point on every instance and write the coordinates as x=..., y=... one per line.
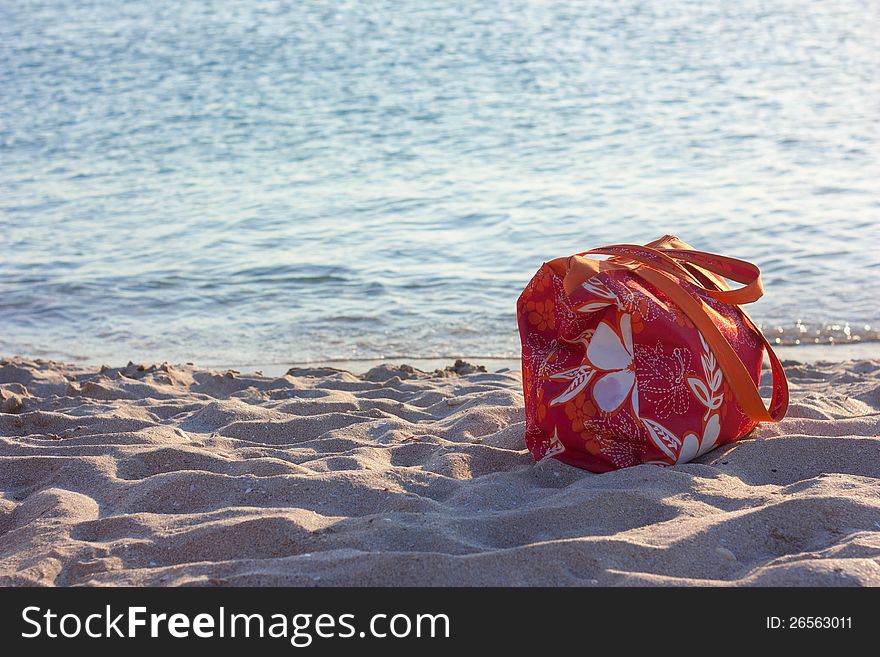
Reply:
x=732, y=268
x=738, y=377
x=667, y=260
x=645, y=255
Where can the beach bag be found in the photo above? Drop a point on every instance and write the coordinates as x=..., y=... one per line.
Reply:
x=643, y=357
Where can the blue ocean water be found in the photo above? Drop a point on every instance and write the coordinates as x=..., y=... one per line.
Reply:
x=266, y=181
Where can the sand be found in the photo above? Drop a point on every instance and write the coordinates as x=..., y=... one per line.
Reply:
x=174, y=475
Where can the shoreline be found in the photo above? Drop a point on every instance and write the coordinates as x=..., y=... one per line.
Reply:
x=804, y=353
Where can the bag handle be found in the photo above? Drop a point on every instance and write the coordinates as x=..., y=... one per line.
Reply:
x=738, y=377
x=734, y=269
x=667, y=260
x=647, y=256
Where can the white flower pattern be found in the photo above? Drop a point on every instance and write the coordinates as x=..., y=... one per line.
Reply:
x=708, y=391
x=663, y=379
x=612, y=355
x=617, y=367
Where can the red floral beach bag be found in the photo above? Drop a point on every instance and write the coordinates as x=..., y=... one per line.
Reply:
x=644, y=357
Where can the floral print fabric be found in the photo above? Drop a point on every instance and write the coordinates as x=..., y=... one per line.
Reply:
x=615, y=374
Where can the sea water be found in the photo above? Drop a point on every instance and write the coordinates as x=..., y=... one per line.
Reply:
x=270, y=182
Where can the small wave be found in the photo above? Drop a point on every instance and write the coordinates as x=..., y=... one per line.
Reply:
x=811, y=334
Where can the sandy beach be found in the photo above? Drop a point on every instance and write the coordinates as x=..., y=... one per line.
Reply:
x=175, y=475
